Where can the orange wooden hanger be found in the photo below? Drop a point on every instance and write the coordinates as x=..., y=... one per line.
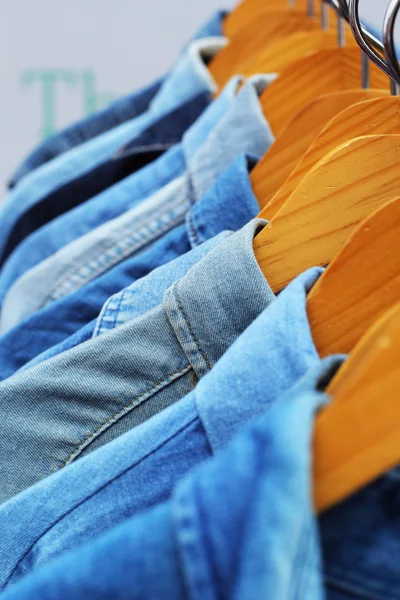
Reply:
x=371, y=117
x=266, y=29
x=293, y=142
x=324, y=210
x=327, y=71
x=357, y=437
x=268, y=58
x=248, y=10
x=360, y=284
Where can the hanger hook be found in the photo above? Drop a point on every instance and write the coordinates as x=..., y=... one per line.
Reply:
x=356, y=27
x=388, y=39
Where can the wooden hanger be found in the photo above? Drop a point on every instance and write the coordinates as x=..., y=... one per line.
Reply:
x=292, y=143
x=269, y=58
x=248, y=10
x=357, y=437
x=371, y=117
x=266, y=29
x=323, y=72
x=315, y=222
x=360, y=284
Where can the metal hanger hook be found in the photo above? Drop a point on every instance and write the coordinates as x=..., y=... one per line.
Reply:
x=360, y=37
x=389, y=39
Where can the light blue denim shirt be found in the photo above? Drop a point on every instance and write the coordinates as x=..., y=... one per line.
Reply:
x=141, y=468
x=240, y=526
x=118, y=112
x=71, y=321
x=358, y=538
x=92, y=394
x=243, y=128
x=189, y=77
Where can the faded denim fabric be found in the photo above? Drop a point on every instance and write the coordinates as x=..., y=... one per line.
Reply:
x=189, y=77
x=229, y=205
x=118, y=112
x=85, y=398
x=240, y=526
x=142, y=467
x=146, y=293
x=162, y=135
x=92, y=255
x=116, y=200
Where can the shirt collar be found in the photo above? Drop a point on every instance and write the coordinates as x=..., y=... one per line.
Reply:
x=218, y=298
x=198, y=133
x=278, y=345
x=242, y=128
x=230, y=204
x=189, y=76
x=146, y=293
x=168, y=130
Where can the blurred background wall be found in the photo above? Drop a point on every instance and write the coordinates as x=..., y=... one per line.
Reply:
x=61, y=60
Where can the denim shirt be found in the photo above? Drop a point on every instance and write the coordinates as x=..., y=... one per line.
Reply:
x=358, y=539
x=116, y=200
x=83, y=501
x=259, y=542
x=162, y=135
x=229, y=205
x=189, y=77
x=92, y=255
x=118, y=112
x=85, y=398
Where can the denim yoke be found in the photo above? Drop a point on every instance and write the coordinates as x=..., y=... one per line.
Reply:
x=122, y=378
x=120, y=197
x=90, y=257
x=118, y=112
x=189, y=77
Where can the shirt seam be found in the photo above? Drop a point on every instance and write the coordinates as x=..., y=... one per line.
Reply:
x=133, y=403
x=93, y=494
x=190, y=329
x=75, y=279
x=108, y=312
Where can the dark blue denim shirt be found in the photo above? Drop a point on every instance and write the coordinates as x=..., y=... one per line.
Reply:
x=159, y=137
x=118, y=112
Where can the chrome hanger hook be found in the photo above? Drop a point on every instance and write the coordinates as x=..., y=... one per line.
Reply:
x=389, y=39
x=360, y=37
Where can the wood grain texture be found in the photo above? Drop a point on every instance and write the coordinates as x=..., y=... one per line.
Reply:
x=360, y=284
x=371, y=117
x=341, y=190
x=270, y=58
x=357, y=436
x=288, y=149
x=249, y=10
x=307, y=78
